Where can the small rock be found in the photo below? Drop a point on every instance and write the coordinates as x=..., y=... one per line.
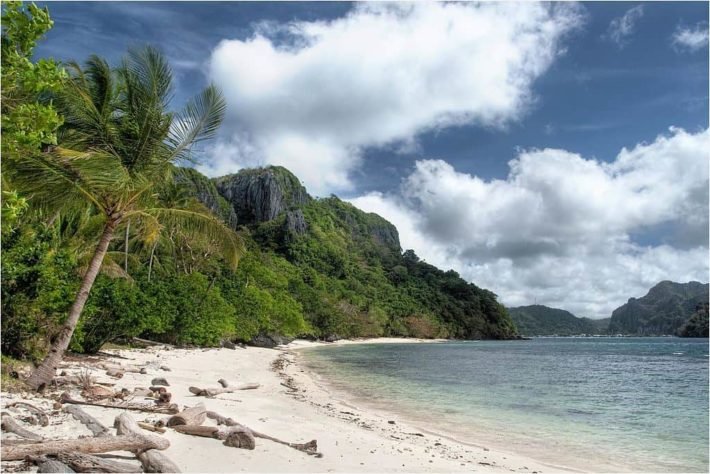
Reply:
x=391, y=422
x=159, y=381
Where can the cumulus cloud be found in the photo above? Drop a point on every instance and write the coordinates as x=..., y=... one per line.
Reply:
x=562, y=229
x=621, y=28
x=312, y=95
x=691, y=38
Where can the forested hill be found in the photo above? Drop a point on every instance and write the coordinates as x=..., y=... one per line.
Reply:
x=539, y=320
x=342, y=269
x=668, y=308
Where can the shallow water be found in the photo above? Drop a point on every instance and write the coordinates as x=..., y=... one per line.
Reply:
x=636, y=404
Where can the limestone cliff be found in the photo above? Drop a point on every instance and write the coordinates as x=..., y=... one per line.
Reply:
x=261, y=194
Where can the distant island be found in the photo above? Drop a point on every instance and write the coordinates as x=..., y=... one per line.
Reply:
x=669, y=308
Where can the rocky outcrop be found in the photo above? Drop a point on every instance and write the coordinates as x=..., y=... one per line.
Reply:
x=201, y=187
x=295, y=223
x=260, y=195
x=269, y=340
x=664, y=310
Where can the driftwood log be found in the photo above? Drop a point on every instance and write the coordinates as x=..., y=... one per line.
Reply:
x=115, y=373
x=234, y=436
x=168, y=409
x=190, y=416
x=10, y=425
x=87, y=463
x=105, y=444
x=225, y=388
x=42, y=417
x=87, y=420
x=310, y=448
x=151, y=459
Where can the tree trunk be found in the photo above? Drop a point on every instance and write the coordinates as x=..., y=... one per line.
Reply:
x=150, y=264
x=125, y=249
x=43, y=374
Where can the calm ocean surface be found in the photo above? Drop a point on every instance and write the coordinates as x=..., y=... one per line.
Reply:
x=636, y=404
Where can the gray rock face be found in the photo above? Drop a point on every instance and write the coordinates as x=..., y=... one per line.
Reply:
x=260, y=195
x=386, y=234
x=204, y=190
x=296, y=223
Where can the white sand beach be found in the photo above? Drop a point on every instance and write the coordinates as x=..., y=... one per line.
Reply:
x=290, y=404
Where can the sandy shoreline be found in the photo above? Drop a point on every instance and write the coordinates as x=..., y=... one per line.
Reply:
x=291, y=404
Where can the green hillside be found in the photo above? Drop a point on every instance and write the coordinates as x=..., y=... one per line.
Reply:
x=539, y=320
x=665, y=309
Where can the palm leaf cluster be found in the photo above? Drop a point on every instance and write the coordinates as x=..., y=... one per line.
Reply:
x=118, y=149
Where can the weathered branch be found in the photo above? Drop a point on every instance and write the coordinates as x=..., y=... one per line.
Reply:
x=87, y=420
x=234, y=436
x=87, y=463
x=211, y=392
x=153, y=428
x=169, y=409
x=45, y=464
x=310, y=448
x=11, y=426
x=83, y=445
x=42, y=417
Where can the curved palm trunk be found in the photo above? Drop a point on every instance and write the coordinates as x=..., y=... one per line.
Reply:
x=43, y=374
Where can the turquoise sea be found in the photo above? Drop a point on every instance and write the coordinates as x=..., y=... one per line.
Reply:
x=635, y=404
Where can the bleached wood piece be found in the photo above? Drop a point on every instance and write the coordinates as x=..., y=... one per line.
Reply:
x=190, y=416
x=88, y=463
x=152, y=460
x=9, y=424
x=42, y=417
x=87, y=420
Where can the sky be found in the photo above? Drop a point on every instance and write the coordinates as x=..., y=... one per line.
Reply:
x=553, y=153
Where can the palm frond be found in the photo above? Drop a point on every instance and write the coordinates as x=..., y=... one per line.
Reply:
x=200, y=224
x=199, y=120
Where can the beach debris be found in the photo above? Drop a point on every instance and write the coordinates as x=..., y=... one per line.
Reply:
x=234, y=436
x=96, y=392
x=310, y=448
x=42, y=417
x=151, y=459
x=151, y=427
x=168, y=409
x=391, y=422
x=104, y=444
x=225, y=388
x=88, y=463
x=190, y=416
x=45, y=464
x=165, y=368
x=10, y=425
x=87, y=420
x=160, y=381
x=115, y=373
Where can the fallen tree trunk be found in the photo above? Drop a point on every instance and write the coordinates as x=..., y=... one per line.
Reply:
x=42, y=417
x=234, y=436
x=87, y=420
x=11, y=426
x=83, y=445
x=168, y=409
x=191, y=416
x=87, y=463
x=211, y=392
x=152, y=459
x=310, y=448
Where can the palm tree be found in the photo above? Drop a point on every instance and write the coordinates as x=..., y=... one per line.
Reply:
x=118, y=146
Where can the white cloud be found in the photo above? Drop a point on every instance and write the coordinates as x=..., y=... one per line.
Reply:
x=621, y=28
x=563, y=230
x=691, y=38
x=312, y=95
